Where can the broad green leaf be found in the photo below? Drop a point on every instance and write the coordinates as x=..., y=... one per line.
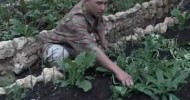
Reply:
x=64, y=83
x=140, y=86
x=175, y=12
x=173, y=97
x=151, y=79
x=15, y=22
x=101, y=69
x=180, y=78
x=85, y=85
x=187, y=56
x=155, y=90
x=89, y=77
x=151, y=94
x=160, y=75
x=181, y=19
x=121, y=89
x=85, y=59
x=164, y=97
x=121, y=61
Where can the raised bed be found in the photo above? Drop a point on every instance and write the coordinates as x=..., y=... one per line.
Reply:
x=133, y=30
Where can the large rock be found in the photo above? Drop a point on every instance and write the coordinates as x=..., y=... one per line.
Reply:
x=6, y=49
x=19, y=43
x=49, y=74
x=27, y=82
x=23, y=61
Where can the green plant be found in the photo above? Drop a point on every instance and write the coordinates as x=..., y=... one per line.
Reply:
x=30, y=17
x=76, y=69
x=20, y=29
x=121, y=5
x=154, y=74
x=182, y=18
x=15, y=93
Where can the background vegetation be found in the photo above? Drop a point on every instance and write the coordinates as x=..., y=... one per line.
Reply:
x=158, y=65
x=29, y=18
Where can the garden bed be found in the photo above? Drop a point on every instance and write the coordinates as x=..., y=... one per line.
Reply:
x=104, y=86
x=101, y=82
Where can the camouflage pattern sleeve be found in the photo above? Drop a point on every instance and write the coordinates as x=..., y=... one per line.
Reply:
x=76, y=33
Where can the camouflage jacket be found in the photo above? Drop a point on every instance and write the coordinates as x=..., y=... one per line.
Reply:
x=76, y=29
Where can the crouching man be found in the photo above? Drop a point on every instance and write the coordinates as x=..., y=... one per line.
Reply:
x=81, y=30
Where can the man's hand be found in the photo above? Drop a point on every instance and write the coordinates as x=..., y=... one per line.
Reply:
x=125, y=78
x=122, y=76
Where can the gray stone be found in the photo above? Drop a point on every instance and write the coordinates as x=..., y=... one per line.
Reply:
x=166, y=2
x=137, y=6
x=160, y=3
x=121, y=15
x=145, y=5
x=160, y=13
x=166, y=10
x=112, y=18
x=23, y=61
x=27, y=82
x=2, y=91
x=6, y=49
x=105, y=18
x=19, y=43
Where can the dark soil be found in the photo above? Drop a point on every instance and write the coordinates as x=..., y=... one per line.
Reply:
x=100, y=90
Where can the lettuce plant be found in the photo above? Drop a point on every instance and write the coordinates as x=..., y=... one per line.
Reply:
x=76, y=69
x=154, y=74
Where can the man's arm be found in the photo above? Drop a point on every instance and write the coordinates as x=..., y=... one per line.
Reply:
x=104, y=42
x=122, y=76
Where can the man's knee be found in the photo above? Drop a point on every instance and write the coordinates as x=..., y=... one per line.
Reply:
x=54, y=53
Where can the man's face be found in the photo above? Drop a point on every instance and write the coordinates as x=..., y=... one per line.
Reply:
x=97, y=7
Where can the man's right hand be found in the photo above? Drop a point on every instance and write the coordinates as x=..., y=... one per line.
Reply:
x=122, y=76
x=125, y=78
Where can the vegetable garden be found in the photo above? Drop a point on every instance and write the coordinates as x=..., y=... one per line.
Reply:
x=158, y=63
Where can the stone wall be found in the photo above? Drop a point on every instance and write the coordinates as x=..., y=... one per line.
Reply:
x=21, y=53
x=124, y=23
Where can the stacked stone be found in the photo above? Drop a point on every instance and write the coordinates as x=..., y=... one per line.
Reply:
x=139, y=32
x=47, y=75
x=21, y=53
x=158, y=28
x=125, y=22
x=117, y=21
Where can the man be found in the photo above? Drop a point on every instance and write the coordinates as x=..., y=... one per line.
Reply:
x=80, y=30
